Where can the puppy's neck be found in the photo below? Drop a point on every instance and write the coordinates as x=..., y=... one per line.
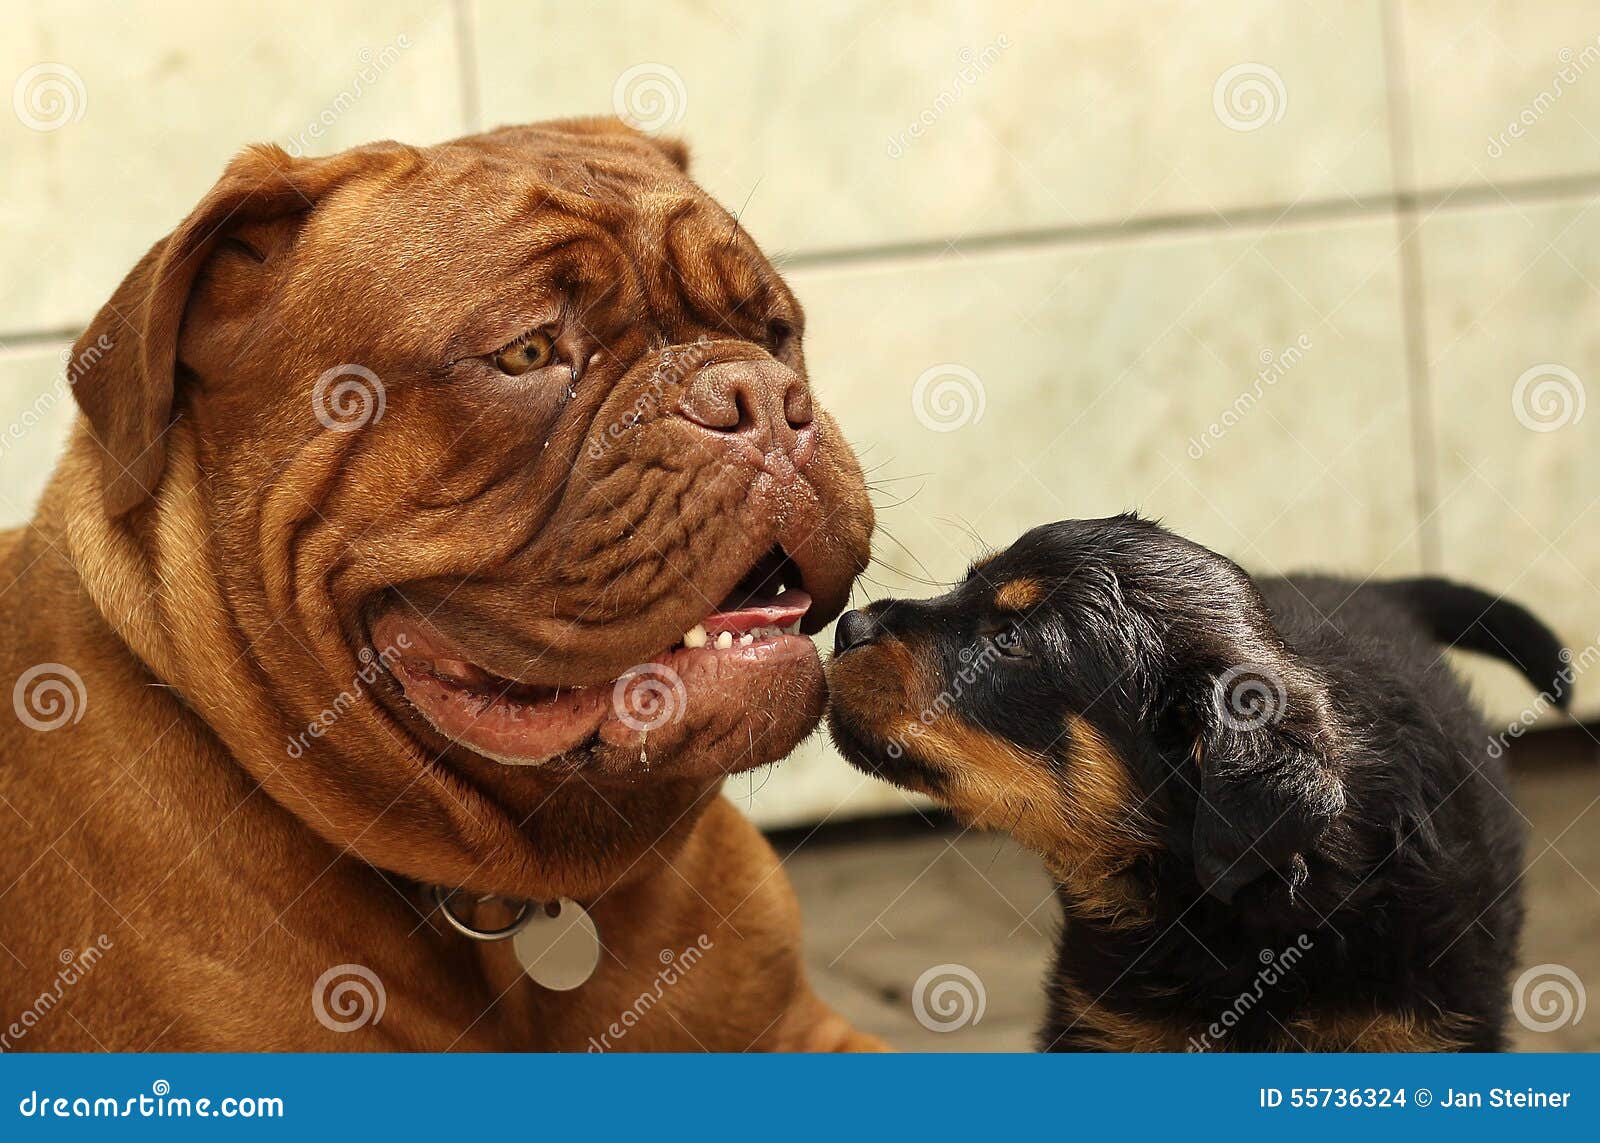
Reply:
x=1098, y=845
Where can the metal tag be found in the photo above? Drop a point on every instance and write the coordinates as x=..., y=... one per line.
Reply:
x=558, y=952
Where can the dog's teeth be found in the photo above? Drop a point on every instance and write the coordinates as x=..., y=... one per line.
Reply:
x=695, y=636
x=793, y=628
x=746, y=639
x=724, y=640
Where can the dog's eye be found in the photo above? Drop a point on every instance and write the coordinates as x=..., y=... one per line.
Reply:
x=1010, y=642
x=780, y=336
x=531, y=351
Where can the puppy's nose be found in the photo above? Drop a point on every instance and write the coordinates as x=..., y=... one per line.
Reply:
x=763, y=402
x=854, y=629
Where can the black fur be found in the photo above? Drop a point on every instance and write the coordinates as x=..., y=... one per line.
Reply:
x=1315, y=772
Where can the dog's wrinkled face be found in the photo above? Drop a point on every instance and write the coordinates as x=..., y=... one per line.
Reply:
x=1103, y=690
x=524, y=419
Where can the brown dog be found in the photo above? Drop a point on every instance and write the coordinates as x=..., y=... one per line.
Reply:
x=394, y=469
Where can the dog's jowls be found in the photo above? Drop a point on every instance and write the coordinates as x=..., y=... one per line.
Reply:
x=1275, y=819
x=394, y=467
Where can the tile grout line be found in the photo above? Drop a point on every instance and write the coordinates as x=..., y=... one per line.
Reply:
x=1408, y=203
x=25, y=341
x=1302, y=212
x=1413, y=315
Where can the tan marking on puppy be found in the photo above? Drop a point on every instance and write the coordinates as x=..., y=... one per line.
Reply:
x=882, y=685
x=1377, y=1032
x=1019, y=595
x=1113, y=1031
x=1084, y=820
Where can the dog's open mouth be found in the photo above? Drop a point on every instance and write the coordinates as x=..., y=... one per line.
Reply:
x=726, y=662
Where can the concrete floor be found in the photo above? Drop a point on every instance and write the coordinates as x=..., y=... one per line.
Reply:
x=885, y=902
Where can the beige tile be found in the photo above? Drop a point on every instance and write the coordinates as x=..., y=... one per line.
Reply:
x=36, y=414
x=1028, y=115
x=1561, y=799
x=166, y=95
x=1099, y=370
x=1502, y=91
x=883, y=917
x=1515, y=292
x=815, y=785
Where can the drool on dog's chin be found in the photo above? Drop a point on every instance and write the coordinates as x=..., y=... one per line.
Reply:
x=734, y=691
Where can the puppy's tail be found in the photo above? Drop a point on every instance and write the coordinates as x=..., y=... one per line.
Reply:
x=1462, y=616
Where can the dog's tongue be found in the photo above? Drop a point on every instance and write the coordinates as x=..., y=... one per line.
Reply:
x=782, y=611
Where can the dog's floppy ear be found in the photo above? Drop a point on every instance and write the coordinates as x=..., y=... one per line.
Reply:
x=1267, y=744
x=127, y=395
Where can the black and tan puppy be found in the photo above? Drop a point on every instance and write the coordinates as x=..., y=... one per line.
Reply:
x=1272, y=811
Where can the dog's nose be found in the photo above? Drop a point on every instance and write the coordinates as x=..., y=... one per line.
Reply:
x=764, y=402
x=854, y=629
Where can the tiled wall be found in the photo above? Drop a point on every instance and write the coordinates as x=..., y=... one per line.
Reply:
x=1356, y=238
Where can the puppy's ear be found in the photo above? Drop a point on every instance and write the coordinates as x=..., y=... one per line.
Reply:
x=127, y=393
x=1267, y=744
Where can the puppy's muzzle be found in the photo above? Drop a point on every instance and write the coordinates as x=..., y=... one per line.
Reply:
x=855, y=629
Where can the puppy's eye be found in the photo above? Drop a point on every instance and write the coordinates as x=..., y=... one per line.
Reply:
x=533, y=350
x=1010, y=642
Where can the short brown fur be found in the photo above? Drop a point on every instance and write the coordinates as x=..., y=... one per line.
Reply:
x=207, y=559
